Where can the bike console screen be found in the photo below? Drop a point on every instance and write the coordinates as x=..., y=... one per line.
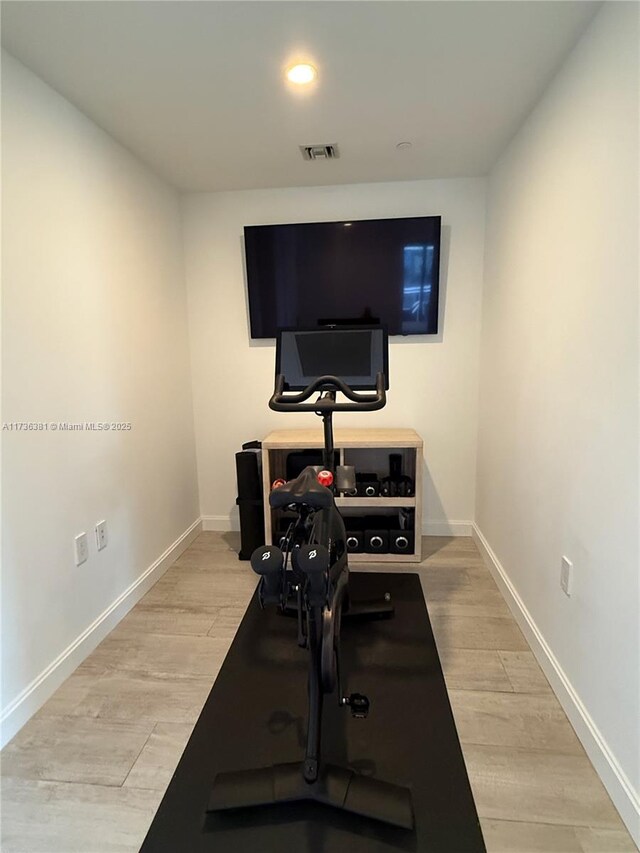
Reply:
x=356, y=355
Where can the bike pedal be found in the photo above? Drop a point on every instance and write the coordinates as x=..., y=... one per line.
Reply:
x=358, y=704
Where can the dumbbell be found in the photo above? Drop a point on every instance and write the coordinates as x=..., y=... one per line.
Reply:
x=313, y=561
x=367, y=485
x=376, y=541
x=268, y=561
x=401, y=541
x=355, y=541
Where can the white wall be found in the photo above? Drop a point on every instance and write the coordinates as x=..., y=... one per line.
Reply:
x=558, y=436
x=94, y=330
x=433, y=380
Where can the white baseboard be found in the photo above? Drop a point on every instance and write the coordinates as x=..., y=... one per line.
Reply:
x=619, y=788
x=222, y=523
x=25, y=705
x=447, y=528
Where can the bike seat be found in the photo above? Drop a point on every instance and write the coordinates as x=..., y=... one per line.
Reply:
x=305, y=489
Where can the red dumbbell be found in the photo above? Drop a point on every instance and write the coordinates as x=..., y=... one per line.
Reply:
x=325, y=478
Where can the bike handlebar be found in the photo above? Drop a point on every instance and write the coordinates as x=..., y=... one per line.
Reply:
x=359, y=402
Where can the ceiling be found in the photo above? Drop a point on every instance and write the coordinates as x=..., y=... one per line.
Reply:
x=196, y=89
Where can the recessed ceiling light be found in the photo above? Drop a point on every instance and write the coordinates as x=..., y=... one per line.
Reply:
x=301, y=74
x=403, y=146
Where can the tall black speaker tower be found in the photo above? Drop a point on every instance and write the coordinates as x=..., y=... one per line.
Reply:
x=250, y=502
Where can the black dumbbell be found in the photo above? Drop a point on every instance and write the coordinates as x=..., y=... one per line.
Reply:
x=268, y=561
x=376, y=541
x=401, y=541
x=355, y=541
x=313, y=561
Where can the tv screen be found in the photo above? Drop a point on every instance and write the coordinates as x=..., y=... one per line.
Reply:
x=344, y=273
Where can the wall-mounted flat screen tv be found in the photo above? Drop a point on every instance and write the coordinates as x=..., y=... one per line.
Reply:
x=344, y=273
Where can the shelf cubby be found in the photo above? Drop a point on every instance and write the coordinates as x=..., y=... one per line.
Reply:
x=368, y=450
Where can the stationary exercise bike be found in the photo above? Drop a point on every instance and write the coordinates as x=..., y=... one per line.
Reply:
x=308, y=576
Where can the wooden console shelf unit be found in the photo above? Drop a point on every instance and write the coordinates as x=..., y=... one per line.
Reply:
x=351, y=443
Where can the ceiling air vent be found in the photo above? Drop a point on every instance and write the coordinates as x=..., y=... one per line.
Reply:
x=319, y=152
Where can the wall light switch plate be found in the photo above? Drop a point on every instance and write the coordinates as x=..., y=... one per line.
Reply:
x=566, y=575
x=81, y=546
x=101, y=535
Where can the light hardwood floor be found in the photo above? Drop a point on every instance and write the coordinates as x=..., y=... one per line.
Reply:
x=87, y=773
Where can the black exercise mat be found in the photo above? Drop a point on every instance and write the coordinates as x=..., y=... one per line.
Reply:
x=256, y=713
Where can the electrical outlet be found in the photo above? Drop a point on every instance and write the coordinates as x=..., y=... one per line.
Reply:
x=101, y=535
x=566, y=575
x=81, y=546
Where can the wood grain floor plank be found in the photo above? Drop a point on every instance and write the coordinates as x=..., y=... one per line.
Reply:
x=513, y=719
x=482, y=632
x=166, y=619
x=159, y=592
x=524, y=672
x=605, y=840
x=440, y=581
x=464, y=600
x=226, y=622
x=71, y=693
x=209, y=560
x=121, y=695
x=161, y=654
x=211, y=540
x=474, y=669
x=443, y=545
x=159, y=758
x=62, y=817
x=197, y=589
x=68, y=749
x=538, y=787
x=502, y=836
